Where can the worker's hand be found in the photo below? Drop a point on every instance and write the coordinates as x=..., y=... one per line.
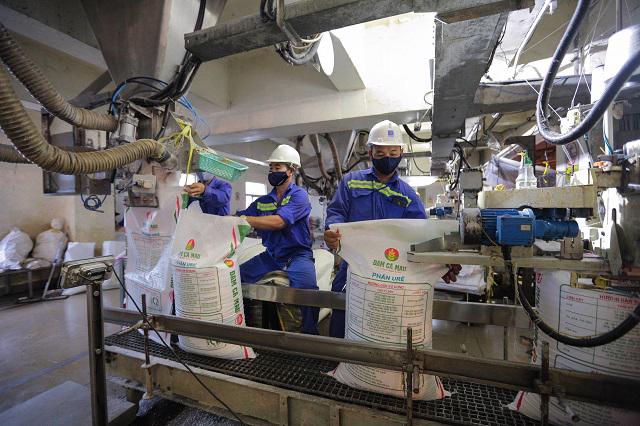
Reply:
x=195, y=189
x=332, y=239
x=452, y=274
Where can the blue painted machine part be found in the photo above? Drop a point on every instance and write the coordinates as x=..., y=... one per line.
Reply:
x=440, y=211
x=513, y=227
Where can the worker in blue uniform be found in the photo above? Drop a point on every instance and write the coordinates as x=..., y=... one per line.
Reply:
x=282, y=220
x=214, y=197
x=374, y=193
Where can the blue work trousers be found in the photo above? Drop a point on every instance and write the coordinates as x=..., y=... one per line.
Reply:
x=302, y=274
x=336, y=326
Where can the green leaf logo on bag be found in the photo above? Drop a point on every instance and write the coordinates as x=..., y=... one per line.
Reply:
x=391, y=254
x=190, y=244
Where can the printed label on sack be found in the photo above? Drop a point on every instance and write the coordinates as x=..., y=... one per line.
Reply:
x=584, y=312
x=588, y=312
x=207, y=278
x=386, y=294
x=381, y=311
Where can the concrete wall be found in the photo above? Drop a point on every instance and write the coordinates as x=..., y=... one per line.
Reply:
x=23, y=202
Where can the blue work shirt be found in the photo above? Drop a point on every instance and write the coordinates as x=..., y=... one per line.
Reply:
x=294, y=209
x=361, y=196
x=216, y=198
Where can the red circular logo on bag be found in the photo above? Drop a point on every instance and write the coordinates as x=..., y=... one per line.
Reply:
x=191, y=244
x=229, y=263
x=239, y=319
x=391, y=254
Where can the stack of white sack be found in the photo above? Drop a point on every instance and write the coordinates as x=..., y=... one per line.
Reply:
x=206, y=277
x=583, y=312
x=386, y=294
x=14, y=248
x=51, y=243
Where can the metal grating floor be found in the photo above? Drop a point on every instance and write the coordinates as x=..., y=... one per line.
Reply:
x=470, y=404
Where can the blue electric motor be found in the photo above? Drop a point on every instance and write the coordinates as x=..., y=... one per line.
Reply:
x=512, y=227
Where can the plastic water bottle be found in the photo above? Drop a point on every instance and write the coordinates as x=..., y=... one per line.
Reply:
x=526, y=177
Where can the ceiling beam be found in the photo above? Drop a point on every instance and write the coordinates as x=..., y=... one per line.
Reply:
x=316, y=16
x=50, y=37
x=463, y=53
x=513, y=96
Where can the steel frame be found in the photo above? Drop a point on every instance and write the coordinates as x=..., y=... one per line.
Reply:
x=257, y=403
x=595, y=388
x=315, y=16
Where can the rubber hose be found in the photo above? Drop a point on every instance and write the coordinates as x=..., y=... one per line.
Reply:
x=580, y=342
x=414, y=136
x=307, y=180
x=8, y=154
x=316, y=147
x=600, y=107
x=29, y=141
x=334, y=154
x=39, y=86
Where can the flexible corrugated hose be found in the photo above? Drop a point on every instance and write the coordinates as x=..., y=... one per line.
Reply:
x=9, y=154
x=39, y=86
x=29, y=141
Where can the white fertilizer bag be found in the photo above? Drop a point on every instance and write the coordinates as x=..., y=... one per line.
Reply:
x=149, y=234
x=206, y=278
x=14, y=248
x=386, y=294
x=583, y=312
x=51, y=243
x=79, y=251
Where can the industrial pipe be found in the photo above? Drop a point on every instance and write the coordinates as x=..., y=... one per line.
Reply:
x=8, y=154
x=39, y=86
x=334, y=153
x=29, y=141
x=316, y=147
x=309, y=181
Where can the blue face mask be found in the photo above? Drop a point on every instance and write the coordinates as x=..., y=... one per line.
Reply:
x=386, y=165
x=277, y=178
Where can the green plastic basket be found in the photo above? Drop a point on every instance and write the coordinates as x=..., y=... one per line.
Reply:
x=219, y=166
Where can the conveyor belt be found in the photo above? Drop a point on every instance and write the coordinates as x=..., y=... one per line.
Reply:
x=470, y=404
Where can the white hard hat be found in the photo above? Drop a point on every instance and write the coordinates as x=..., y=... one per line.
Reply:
x=285, y=154
x=386, y=133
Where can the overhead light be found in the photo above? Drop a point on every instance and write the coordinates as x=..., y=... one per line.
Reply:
x=420, y=180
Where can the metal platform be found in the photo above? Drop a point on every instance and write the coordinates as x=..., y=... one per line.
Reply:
x=470, y=404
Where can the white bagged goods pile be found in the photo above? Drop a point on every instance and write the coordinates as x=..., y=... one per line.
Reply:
x=14, y=248
x=149, y=234
x=79, y=251
x=584, y=312
x=51, y=243
x=386, y=294
x=206, y=278
x=33, y=263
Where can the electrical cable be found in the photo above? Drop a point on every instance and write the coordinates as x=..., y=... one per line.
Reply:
x=600, y=107
x=581, y=342
x=93, y=202
x=415, y=163
x=183, y=78
x=28, y=139
x=173, y=351
x=413, y=135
